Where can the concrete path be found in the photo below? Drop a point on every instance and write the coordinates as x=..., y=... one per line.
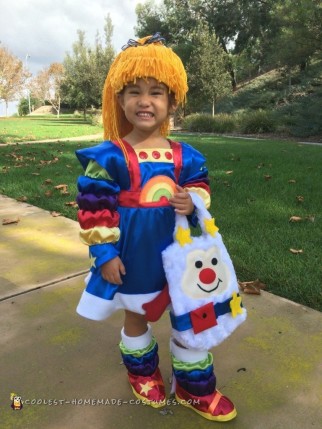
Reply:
x=68, y=369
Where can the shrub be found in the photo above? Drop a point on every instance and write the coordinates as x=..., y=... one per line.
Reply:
x=258, y=121
x=198, y=123
x=206, y=123
x=224, y=123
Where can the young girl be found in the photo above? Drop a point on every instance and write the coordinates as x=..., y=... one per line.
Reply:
x=134, y=183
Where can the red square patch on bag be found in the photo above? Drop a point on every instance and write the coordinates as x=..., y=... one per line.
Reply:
x=203, y=318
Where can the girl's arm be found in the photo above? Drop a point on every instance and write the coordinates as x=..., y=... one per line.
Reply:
x=99, y=220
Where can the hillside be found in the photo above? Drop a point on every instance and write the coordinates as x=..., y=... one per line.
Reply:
x=294, y=99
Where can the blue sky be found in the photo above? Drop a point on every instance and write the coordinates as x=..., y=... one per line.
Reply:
x=44, y=30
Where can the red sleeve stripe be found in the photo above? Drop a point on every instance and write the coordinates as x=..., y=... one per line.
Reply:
x=88, y=219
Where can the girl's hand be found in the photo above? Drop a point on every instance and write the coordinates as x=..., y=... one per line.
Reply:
x=182, y=202
x=111, y=271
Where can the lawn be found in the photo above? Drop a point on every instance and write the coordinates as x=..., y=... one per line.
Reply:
x=44, y=127
x=266, y=198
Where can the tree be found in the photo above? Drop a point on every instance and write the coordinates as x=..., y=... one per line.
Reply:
x=300, y=33
x=12, y=76
x=86, y=70
x=207, y=68
x=46, y=86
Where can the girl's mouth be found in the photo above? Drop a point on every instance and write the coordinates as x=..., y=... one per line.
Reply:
x=145, y=114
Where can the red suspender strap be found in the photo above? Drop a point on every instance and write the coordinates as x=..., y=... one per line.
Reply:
x=133, y=165
x=177, y=158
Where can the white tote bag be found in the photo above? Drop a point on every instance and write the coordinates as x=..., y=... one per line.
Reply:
x=205, y=303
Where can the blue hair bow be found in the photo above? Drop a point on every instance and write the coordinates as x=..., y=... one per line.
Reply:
x=153, y=39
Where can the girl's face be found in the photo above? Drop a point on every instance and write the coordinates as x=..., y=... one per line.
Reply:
x=146, y=104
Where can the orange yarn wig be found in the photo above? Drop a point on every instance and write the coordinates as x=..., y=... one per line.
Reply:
x=142, y=58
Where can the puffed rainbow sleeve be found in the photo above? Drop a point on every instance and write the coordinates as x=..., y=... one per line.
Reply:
x=97, y=214
x=194, y=175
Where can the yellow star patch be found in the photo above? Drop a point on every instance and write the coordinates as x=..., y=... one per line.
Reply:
x=145, y=388
x=210, y=226
x=92, y=261
x=183, y=236
x=235, y=305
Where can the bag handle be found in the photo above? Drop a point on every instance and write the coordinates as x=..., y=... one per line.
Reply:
x=182, y=233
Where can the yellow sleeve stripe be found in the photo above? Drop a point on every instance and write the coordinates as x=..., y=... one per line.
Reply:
x=99, y=235
x=202, y=193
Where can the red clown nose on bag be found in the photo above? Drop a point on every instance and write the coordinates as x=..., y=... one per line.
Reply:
x=205, y=303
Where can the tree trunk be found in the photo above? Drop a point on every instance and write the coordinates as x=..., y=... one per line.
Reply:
x=213, y=107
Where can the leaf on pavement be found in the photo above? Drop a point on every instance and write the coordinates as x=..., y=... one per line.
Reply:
x=55, y=214
x=10, y=221
x=253, y=287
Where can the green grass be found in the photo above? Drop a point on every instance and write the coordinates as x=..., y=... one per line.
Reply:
x=45, y=127
x=251, y=211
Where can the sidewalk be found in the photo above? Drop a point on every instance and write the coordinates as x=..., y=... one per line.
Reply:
x=269, y=367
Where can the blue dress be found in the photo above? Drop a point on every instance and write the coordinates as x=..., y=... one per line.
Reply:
x=125, y=212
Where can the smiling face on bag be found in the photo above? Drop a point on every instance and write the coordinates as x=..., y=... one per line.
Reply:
x=206, y=275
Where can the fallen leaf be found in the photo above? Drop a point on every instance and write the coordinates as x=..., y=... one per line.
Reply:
x=310, y=218
x=71, y=204
x=295, y=219
x=229, y=172
x=10, y=221
x=299, y=198
x=22, y=199
x=253, y=287
x=61, y=186
x=35, y=174
x=48, y=194
x=267, y=177
x=55, y=214
x=48, y=181
x=296, y=251
x=292, y=181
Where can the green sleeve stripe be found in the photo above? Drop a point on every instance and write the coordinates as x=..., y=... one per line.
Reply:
x=95, y=171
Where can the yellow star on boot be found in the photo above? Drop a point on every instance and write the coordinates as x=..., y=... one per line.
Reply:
x=145, y=388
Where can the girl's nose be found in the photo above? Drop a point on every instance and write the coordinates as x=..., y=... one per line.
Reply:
x=207, y=276
x=144, y=100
